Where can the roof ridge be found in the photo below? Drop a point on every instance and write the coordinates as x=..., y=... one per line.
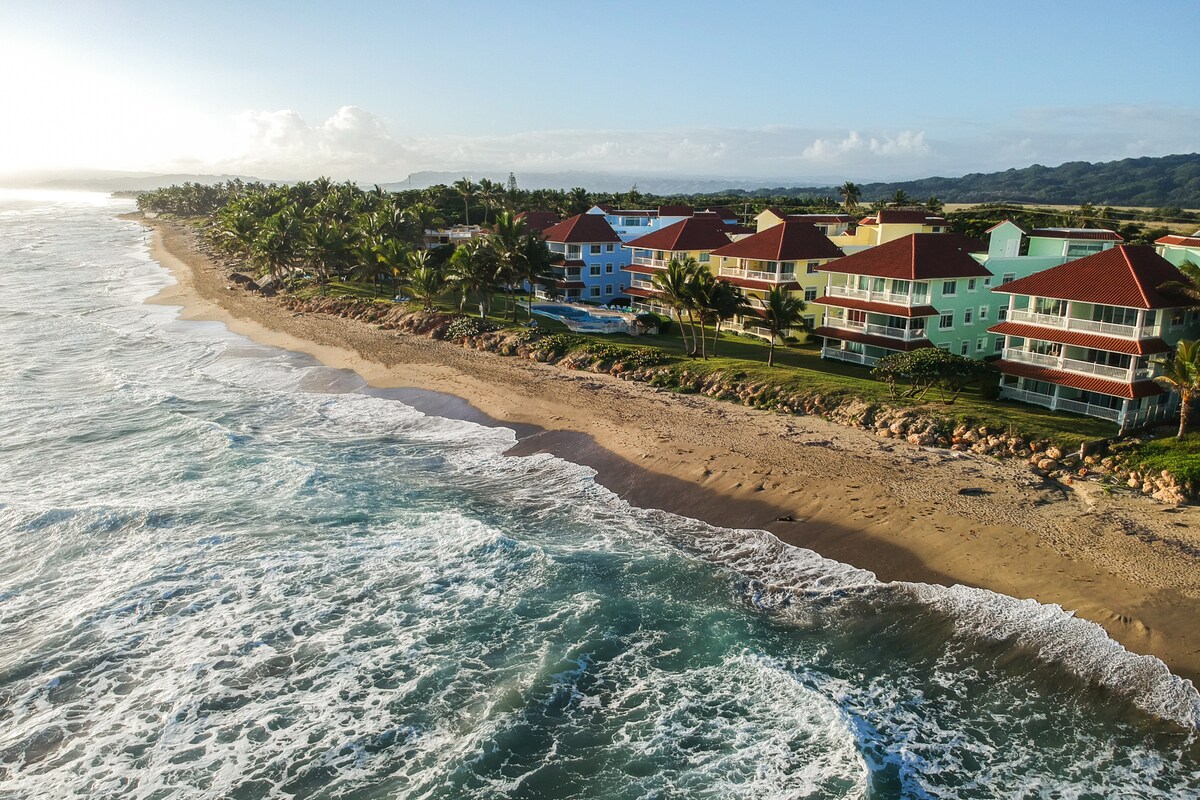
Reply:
x=1133, y=272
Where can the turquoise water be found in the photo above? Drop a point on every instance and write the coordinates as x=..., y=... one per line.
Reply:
x=228, y=572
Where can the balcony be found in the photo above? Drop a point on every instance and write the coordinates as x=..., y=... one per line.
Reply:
x=1025, y=396
x=877, y=297
x=647, y=261
x=757, y=275
x=849, y=355
x=752, y=330
x=1127, y=374
x=906, y=334
x=643, y=283
x=1066, y=323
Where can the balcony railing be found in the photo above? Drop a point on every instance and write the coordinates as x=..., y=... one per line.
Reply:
x=1090, y=409
x=758, y=275
x=907, y=334
x=647, y=261
x=878, y=297
x=1077, y=365
x=849, y=355
x=1066, y=323
x=1026, y=396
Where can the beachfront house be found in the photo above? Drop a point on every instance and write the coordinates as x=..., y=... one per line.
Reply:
x=889, y=225
x=590, y=260
x=1081, y=336
x=924, y=290
x=790, y=255
x=1178, y=249
x=452, y=236
x=693, y=237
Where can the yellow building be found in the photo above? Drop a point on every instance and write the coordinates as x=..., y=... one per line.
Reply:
x=828, y=224
x=695, y=237
x=887, y=226
x=789, y=254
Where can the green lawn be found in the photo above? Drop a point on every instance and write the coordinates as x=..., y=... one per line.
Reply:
x=800, y=369
x=1181, y=457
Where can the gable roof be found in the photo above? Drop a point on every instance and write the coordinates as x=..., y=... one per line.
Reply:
x=918, y=256
x=538, y=220
x=790, y=240
x=582, y=228
x=1101, y=234
x=837, y=218
x=723, y=212
x=1004, y=222
x=675, y=211
x=707, y=232
x=1126, y=276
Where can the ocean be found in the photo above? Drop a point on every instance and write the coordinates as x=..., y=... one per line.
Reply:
x=229, y=572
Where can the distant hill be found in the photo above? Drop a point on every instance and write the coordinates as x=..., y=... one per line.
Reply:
x=1167, y=181
x=595, y=181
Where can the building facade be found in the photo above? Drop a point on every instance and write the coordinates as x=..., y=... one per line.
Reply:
x=693, y=237
x=591, y=262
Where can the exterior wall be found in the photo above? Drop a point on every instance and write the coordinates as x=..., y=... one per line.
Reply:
x=1004, y=241
x=1067, y=249
x=972, y=298
x=766, y=219
x=601, y=272
x=1178, y=254
x=872, y=235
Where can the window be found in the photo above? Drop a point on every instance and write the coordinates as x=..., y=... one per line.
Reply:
x=946, y=322
x=572, y=251
x=608, y=288
x=594, y=269
x=1008, y=277
x=812, y=267
x=987, y=281
x=981, y=345
x=1050, y=306
x=949, y=288
x=704, y=258
x=971, y=285
x=621, y=288
x=943, y=346
x=964, y=348
x=967, y=317
x=608, y=268
x=937, y=229
x=595, y=291
x=810, y=295
x=595, y=249
x=999, y=345
x=983, y=312
x=1114, y=314
x=608, y=248
x=1081, y=249
x=1002, y=313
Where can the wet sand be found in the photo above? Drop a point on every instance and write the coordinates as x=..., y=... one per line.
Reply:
x=1127, y=563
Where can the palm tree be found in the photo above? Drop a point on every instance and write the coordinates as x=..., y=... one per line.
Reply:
x=674, y=286
x=933, y=205
x=725, y=301
x=423, y=280
x=850, y=194
x=534, y=264
x=578, y=201
x=331, y=247
x=420, y=217
x=473, y=267
x=490, y=195
x=1181, y=373
x=466, y=190
x=900, y=198
x=505, y=241
x=783, y=311
x=1189, y=287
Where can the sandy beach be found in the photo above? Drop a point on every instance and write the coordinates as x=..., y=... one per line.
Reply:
x=1127, y=563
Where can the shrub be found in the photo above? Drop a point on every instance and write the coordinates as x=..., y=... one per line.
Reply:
x=463, y=326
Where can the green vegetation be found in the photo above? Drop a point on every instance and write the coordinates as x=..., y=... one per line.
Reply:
x=930, y=368
x=1179, y=456
x=1181, y=373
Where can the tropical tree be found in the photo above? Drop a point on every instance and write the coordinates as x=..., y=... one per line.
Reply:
x=850, y=193
x=782, y=311
x=1181, y=373
x=934, y=206
x=506, y=243
x=577, y=201
x=725, y=301
x=491, y=194
x=900, y=198
x=466, y=190
x=533, y=265
x=330, y=247
x=675, y=290
x=1189, y=287
x=423, y=280
x=473, y=269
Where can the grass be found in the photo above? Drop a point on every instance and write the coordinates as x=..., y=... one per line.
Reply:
x=1180, y=457
x=799, y=369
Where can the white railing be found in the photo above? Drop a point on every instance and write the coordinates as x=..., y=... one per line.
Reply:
x=642, y=284
x=647, y=261
x=1074, y=324
x=1090, y=409
x=757, y=275
x=1077, y=365
x=877, y=297
x=848, y=355
x=906, y=334
x=1026, y=396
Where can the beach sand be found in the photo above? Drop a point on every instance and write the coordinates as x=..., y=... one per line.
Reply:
x=1125, y=562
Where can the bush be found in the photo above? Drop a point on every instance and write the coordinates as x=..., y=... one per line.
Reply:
x=462, y=327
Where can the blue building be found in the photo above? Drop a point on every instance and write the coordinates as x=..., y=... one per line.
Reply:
x=592, y=259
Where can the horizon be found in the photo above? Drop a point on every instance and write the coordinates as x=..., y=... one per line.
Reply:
x=376, y=94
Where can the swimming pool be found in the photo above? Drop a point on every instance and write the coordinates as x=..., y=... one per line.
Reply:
x=587, y=319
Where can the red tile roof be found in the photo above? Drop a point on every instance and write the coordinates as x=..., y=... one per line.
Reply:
x=878, y=308
x=1100, y=234
x=836, y=218
x=1181, y=241
x=641, y=269
x=638, y=291
x=894, y=216
x=582, y=228
x=676, y=211
x=1010, y=222
x=1087, y=383
x=876, y=341
x=1095, y=341
x=918, y=256
x=1126, y=276
x=693, y=233
x=723, y=212
x=790, y=240
x=538, y=220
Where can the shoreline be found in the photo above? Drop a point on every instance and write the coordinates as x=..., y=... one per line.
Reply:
x=887, y=507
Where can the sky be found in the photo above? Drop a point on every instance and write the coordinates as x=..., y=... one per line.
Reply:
x=783, y=91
